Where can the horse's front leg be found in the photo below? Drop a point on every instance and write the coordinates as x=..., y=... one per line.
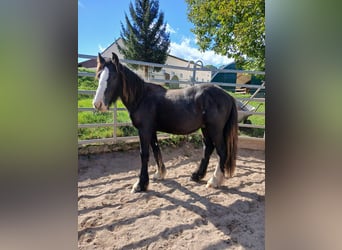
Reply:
x=142, y=183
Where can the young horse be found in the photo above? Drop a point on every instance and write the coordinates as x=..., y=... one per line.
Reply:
x=153, y=108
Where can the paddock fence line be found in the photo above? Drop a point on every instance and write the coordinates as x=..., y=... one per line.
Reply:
x=159, y=78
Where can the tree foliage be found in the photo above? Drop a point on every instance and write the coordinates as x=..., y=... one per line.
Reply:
x=211, y=67
x=145, y=37
x=235, y=28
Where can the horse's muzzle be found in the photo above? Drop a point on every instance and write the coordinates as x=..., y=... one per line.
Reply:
x=100, y=106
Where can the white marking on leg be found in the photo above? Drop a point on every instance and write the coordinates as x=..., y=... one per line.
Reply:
x=156, y=176
x=159, y=175
x=136, y=187
x=99, y=96
x=216, y=180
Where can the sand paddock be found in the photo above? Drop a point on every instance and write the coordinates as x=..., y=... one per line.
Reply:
x=175, y=213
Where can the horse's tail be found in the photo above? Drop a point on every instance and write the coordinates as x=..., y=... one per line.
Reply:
x=231, y=137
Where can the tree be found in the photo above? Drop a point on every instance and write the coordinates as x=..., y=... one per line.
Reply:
x=235, y=28
x=211, y=67
x=145, y=37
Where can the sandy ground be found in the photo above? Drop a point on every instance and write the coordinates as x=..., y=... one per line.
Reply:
x=175, y=213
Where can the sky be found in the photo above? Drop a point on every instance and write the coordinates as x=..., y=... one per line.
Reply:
x=99, y=25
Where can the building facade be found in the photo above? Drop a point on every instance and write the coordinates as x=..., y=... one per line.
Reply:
x=185, y=74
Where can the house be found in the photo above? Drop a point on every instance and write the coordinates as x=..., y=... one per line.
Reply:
x=164, y=74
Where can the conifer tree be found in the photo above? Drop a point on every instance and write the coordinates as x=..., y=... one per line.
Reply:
x=145, y=37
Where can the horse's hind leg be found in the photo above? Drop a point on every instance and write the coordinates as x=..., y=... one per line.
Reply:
x=161, y=171
x=221, y=148
x=208, y=147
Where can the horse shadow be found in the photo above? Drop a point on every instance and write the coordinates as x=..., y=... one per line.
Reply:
x=210, y=214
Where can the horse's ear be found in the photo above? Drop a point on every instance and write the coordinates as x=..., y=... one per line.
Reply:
x=115, y=59
x=100, y=59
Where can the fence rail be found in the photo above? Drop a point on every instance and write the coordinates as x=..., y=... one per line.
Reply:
x=115, y=124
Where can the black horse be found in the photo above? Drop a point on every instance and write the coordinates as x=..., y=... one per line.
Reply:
x=153, y=108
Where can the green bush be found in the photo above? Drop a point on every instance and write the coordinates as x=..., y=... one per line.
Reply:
x=95, y=133
x=129, y=131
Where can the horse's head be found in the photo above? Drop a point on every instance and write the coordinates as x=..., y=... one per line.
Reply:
x=109, y=76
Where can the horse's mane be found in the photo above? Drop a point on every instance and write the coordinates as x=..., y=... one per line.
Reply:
x=134, y=86
x=131, y=76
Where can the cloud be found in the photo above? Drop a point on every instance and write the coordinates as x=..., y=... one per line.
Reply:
x=80, y=4
x=169, y=29
x=188, y=52
x=101, y=49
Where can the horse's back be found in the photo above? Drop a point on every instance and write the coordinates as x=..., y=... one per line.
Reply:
x=185, y=110
x=216, y=102
x=212, y=97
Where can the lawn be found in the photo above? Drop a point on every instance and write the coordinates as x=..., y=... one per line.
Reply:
x=254, y=119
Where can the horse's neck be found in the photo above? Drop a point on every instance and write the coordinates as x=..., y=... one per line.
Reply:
x=153, y=88
x=132, y=92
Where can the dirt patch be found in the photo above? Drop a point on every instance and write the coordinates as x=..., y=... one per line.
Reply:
x=175, y=213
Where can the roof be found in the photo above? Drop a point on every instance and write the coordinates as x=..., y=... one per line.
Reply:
x=91, y=63
x=215, y=77
x=234, y=77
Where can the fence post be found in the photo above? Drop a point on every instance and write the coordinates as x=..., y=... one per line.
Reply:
x=194, y=72
x=115, y=122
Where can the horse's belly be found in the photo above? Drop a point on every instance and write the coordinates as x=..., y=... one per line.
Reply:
x=180, y=125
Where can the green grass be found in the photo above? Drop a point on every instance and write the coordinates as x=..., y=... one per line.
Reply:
x=94, y=133
x=88, y=117
x=254, y=119
x=85, y=102
x=86, y=82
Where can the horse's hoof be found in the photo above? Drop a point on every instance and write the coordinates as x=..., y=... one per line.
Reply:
x=195, y=177
x=212, y=183
x=158, y=176
x=138, y=188
x=135, y=188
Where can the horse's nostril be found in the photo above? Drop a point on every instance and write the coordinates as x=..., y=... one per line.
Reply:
x=97, y=105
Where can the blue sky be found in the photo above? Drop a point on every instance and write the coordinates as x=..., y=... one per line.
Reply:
x=99, y=26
